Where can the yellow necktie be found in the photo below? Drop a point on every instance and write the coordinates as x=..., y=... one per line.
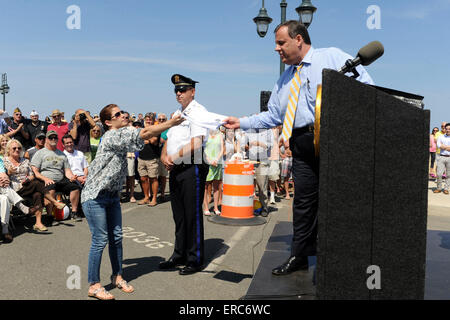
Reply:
x=289, y=117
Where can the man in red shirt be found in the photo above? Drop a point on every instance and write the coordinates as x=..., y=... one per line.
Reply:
x=62, y=128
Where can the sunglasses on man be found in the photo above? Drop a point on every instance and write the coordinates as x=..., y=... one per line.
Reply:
x=181, y=89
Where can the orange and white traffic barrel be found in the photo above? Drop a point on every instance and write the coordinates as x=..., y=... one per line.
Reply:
x=238, y=194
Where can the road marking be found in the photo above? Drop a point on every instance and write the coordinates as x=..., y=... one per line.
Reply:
x=151, y=242
x=228, y=246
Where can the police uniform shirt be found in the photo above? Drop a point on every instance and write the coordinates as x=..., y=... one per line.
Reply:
x=179, y=136
x=34, y=130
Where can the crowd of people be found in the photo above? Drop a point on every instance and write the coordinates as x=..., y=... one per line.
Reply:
x=73, y=146
x=40, y=160
x=440, y=157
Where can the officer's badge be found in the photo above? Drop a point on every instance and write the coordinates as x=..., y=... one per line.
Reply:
x=177, y=79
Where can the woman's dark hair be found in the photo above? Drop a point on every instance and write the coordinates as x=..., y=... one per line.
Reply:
x=294, y=28
x=106, y=114
x=435, y=128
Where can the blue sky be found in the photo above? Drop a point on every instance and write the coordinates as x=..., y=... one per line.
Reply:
x=126, y=51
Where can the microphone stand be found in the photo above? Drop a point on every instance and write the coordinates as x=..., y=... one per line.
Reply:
x=349, y=64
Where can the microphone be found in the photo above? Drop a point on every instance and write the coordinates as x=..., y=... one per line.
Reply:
x=366, y=55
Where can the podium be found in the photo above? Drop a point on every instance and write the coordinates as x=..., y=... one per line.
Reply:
x=372, y=214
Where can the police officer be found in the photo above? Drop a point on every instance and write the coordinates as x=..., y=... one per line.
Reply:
x=182, y=156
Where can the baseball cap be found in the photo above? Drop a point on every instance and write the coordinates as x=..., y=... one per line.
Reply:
x=34, y=113
x=40, y=134
x=51, y=133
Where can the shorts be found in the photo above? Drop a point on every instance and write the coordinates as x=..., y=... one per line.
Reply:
x=286, y=167
x=274, y=170
x=131, y=169
x=162, y=171
x=64, y=186
x=148, y=168
x=214, y=173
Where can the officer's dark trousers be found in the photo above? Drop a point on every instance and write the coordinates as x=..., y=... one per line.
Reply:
x=305, y=172
x=187, y=188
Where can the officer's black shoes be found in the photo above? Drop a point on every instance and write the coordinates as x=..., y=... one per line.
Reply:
x=189, y=269
x=170, y=264
x=291, y=265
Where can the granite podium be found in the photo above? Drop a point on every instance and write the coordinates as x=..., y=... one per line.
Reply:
x=372, y=214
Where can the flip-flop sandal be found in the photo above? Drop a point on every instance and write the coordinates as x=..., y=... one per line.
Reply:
x=122, y=285
x=96, y=295
x=217, y=212
x=207, y=213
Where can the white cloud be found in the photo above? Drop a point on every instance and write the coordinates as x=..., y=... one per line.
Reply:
x=424, y=11
x=187, y=65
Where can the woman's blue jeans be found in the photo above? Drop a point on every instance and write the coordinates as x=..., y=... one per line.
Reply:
x=104, y=217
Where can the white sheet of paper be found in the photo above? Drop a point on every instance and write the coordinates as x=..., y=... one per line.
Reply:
x=208, y=120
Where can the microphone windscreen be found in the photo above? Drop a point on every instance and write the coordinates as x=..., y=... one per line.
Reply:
x=370, y=52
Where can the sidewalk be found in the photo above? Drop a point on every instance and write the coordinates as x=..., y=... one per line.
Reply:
x=438, y=209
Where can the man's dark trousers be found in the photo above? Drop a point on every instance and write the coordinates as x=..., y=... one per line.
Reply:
x=305, y=172
x=187, y=187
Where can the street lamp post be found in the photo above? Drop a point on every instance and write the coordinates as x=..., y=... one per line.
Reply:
x=4, y=89
x=305, y=11
x=262, y=21
x=283, y=5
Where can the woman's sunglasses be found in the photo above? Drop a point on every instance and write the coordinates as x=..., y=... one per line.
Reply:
x=117, y=114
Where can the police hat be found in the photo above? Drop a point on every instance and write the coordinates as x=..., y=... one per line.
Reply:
x=181, y=81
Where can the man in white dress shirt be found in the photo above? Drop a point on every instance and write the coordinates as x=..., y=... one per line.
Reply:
x=182, y=155
x=443, y=143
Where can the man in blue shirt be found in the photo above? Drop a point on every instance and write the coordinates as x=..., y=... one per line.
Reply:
x=294, y=47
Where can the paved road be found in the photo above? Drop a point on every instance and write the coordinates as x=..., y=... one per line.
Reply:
x=40, y=265
x=44, y=266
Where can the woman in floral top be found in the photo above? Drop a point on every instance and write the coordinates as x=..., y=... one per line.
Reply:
x=100, y=195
